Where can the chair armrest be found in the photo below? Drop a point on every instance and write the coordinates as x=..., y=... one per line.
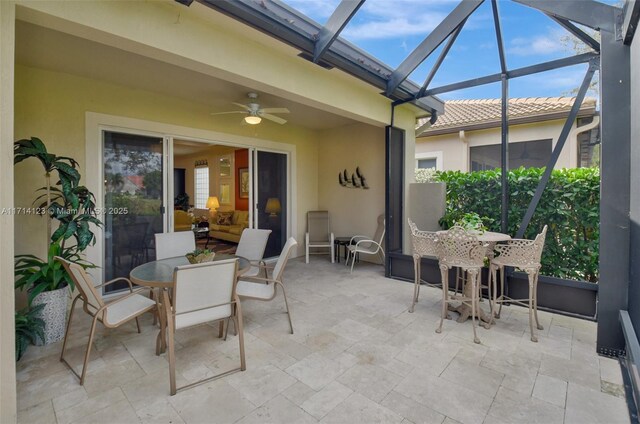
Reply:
x=257, y=279
x=359, y=236
x=116, y=280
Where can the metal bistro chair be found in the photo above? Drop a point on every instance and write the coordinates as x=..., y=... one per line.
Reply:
x=111, y=314
x=458, y=248
x=203, y=293
x=425, y=244
x=318, y=233
x=524, y=255
x=367, y=245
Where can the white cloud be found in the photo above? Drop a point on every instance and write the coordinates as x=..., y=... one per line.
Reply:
x=538, y=45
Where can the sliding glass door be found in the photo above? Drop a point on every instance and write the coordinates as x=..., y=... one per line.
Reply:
x=271, y=198
x=134, y=190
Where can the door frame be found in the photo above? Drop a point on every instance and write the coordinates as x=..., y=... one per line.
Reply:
x=95, y=123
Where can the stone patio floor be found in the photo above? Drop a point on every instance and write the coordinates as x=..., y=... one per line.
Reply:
x=357, y=356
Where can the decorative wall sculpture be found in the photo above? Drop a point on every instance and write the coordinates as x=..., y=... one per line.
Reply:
x=356, y=180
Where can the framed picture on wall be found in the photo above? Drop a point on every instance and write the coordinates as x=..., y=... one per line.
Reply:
x=243, y=178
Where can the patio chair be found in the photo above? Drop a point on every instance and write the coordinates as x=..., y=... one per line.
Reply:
x=367, y=245
x=202, y=293
x=111, y=314
x=264, y=288
x=251, y=246
x=170, y=245
x=425, y=244
x=458, y=248
x=318, y=233
x=524, y=255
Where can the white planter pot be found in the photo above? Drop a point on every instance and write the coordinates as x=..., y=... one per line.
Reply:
x=54, y=314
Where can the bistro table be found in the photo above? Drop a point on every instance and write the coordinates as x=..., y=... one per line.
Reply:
x=489, y=238
x=159, y=275
x=344, y=242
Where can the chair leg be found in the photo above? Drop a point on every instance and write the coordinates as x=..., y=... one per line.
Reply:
x=353, y=261
x=307, y=253
x=535, y=301
x=501, y=292
x=66, y=332
x=444, y=271
x=221, y=328
x=494, y=290
x=243, y=362
x=473, y=276
x=333, y=256
x=416, y=287
x=286, y=304
x=534, y=338
x=88, y=352
x=171, y=354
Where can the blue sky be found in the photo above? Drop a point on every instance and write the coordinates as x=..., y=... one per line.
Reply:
x=391, y=29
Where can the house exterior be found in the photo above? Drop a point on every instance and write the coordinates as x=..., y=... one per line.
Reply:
x=74, y=72
x=467, y=137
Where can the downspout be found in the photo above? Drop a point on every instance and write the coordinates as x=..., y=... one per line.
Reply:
x=574, y=137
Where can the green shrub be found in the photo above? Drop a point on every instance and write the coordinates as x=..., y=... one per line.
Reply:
x=570, y=206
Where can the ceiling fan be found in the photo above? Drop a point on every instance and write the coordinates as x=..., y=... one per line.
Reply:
x=255, y=113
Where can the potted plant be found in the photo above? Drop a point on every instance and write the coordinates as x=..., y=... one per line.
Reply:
x=200, y=255
x=72, y=206
x=29, y=329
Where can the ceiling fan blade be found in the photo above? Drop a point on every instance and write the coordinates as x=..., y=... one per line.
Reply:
x=273, y=118
x=275, y=110
x=245, y=107
x=226, y=113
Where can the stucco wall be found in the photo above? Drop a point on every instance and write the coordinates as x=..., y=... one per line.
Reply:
x=455, y=152
x=52, y=106
x=352, y=210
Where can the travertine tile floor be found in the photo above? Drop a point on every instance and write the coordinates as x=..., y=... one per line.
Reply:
x=357, y=356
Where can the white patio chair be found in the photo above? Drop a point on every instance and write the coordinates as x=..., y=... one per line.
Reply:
x=367, y=245
x=111, y=314
x=425, y=245
x=318, y=233
x=264, y=288
x=202, y=293
x=458, y=248
x=171, y=245
x=251, y=246
x=524, y=255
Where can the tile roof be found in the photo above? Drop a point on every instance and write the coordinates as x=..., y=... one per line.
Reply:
x=464, y=113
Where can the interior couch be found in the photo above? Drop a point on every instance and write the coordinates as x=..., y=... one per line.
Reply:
x=181, y=221
x=229, y=232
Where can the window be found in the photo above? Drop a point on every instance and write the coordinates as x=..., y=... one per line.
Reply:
x=429, y=160
x=427, y=163
x=529, y=154
x=202, y=187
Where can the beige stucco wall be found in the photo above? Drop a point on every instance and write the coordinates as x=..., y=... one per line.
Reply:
x=352, y=210
x=7, y=331
x=58, y=118
x=455, y=151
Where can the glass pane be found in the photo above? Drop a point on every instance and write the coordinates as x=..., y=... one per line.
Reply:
x=272, y=199
x=529, y=154
x=427, y=163
x=202, y=187
x=225, y=167
x=133, y=199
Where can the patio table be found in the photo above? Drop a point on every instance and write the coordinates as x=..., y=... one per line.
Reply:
x=159, y=275
x=490, y=238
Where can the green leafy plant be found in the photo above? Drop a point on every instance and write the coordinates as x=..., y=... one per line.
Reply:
x=29, y=329
x=471, y=222
x=426, y=175
x=71, y=205
x=570, y=206
x=200, y=252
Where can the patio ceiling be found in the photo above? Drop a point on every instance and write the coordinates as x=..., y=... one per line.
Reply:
x=45, y=48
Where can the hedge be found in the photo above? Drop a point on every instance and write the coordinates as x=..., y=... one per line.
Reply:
x=570, y=206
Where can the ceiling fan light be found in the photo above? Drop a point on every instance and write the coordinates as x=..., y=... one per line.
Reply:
x=252, y=120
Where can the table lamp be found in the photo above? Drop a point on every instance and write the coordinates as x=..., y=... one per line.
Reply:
x=273, y=206
x=212, y=204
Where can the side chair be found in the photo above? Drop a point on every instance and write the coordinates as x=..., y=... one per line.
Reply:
x=264, y=288
x=425, y=244
x=367, y=245
x=202, y=293
x=111, y=314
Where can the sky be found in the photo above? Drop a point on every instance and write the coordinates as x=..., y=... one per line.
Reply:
x=390, y=29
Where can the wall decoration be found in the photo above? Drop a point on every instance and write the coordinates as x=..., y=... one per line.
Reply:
x=356, y=180
x=243, y=180
x=202, y=162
